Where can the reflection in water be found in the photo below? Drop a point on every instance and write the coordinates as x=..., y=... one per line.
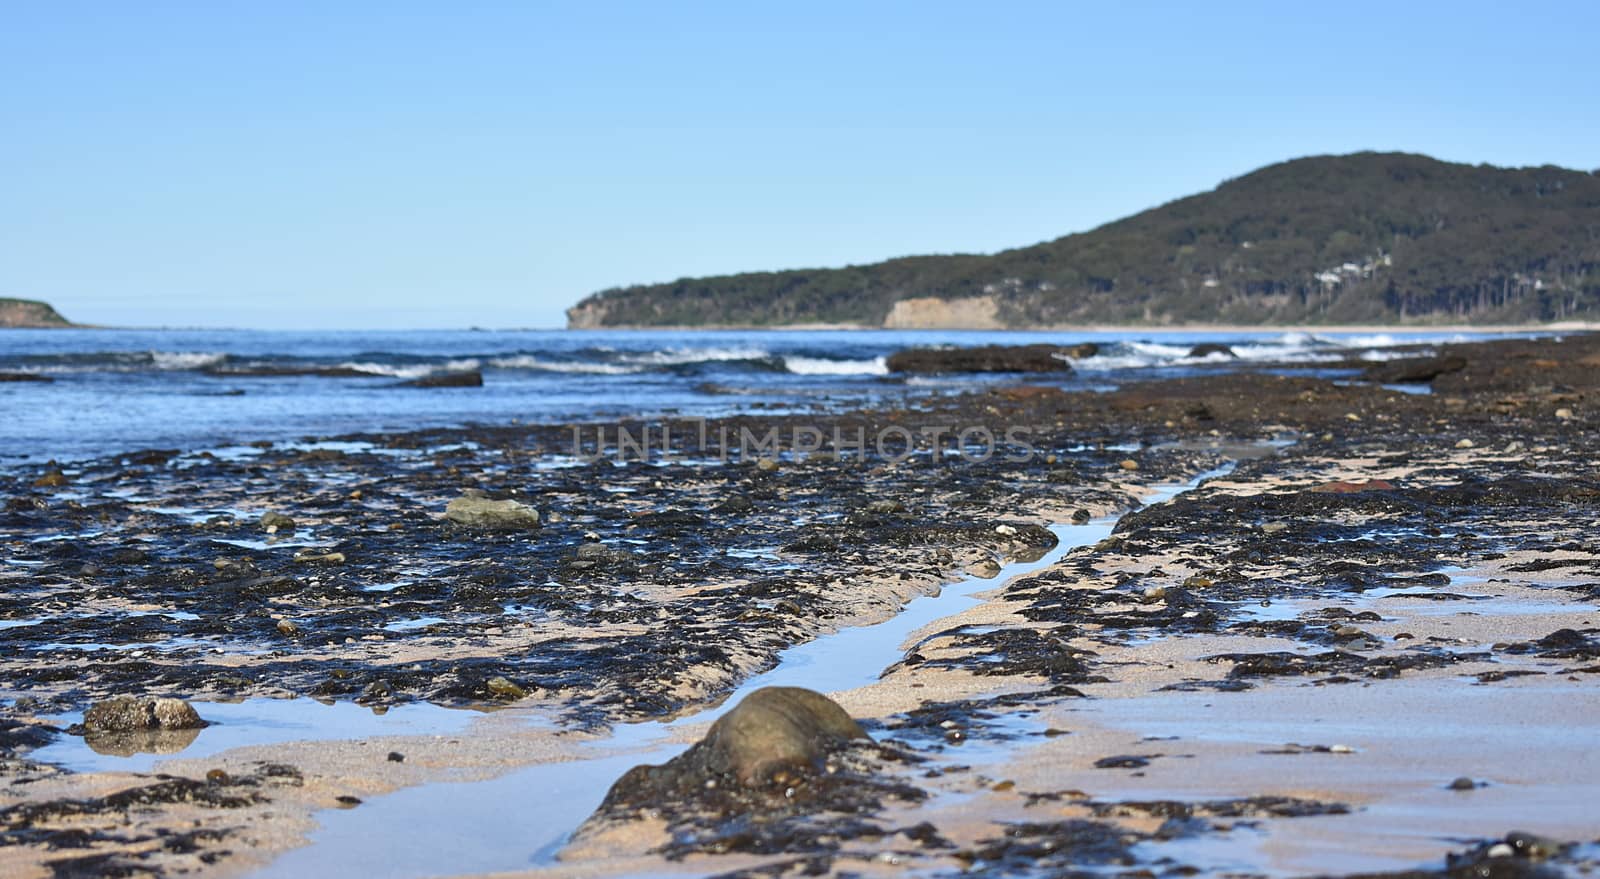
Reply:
x=144, y=741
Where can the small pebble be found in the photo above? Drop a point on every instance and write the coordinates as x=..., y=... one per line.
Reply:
x=396, y=757
x=1465, y=444
x=328, y=558
x=272, y=522
x=1463, y=783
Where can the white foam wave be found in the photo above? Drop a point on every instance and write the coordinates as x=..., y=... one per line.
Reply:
x=824, y=366
x=412, y=370
x=1132, y=355
x=1284, y=353
x=1289, y=348
x=1397, y=355
x=1106, y=362
x=527, y=361
x=677, y=356
x=1158, y=351
x=186, y=359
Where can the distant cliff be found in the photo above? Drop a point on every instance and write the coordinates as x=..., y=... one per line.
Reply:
x=29, y=313
x=1365, y=238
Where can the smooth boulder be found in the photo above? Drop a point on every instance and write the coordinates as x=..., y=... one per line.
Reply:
x=769, y=744
x=777, y=728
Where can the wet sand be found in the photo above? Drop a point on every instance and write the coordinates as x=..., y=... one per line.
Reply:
x=1407, y=594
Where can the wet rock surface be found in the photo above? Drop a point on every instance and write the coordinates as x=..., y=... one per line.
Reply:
x=988, y=358
x=153, y=570
x=648, y=589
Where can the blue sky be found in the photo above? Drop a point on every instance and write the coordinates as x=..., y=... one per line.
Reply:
x=402, y=164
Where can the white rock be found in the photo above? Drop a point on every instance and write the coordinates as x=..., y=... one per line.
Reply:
x=476, y=512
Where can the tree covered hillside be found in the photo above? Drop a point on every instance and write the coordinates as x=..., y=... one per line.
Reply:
x=1364, y=238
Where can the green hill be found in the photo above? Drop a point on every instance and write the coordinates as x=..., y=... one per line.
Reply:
x=29, y=313
x=1363, y=238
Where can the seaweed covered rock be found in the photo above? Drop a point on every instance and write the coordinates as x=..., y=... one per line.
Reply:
x=776, y=737
x=786, y=770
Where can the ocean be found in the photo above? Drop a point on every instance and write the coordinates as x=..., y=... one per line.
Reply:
x=115, y=391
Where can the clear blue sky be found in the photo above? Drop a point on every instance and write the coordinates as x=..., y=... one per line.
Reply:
x=397, y=164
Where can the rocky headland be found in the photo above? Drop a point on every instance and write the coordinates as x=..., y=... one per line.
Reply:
x=29, y=314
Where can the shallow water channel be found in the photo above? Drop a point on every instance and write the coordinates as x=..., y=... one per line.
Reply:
x=523, y=818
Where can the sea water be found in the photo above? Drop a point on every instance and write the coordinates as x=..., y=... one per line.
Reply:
x=114, y=391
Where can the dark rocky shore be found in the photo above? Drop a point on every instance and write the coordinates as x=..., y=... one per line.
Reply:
x=611, y=591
